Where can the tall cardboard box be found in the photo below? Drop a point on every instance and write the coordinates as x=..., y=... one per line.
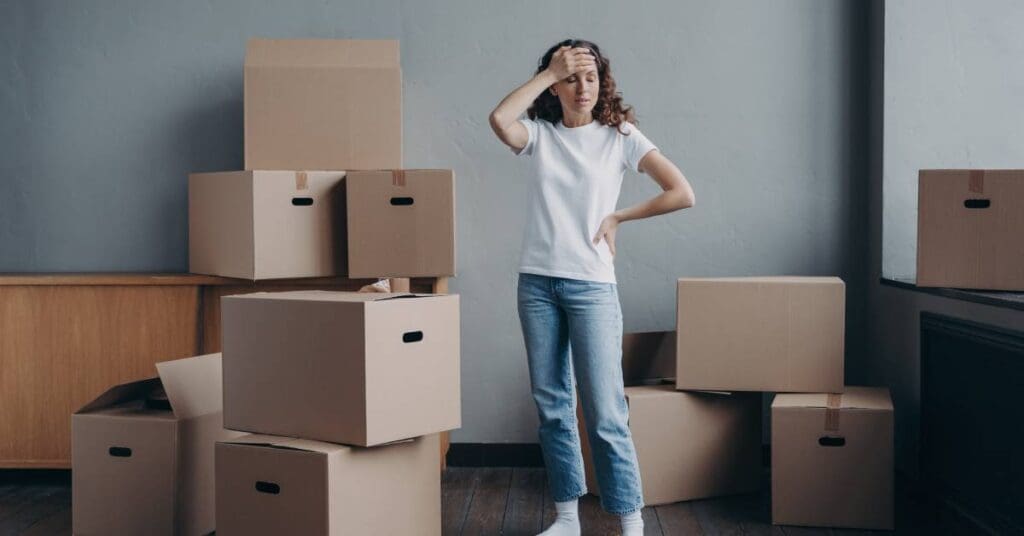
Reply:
x=648, y=357
x=969, y=228
x=323, y=104
x=267, y=224
x=142, y=453
x=278, y=485
x=777, y=333
x=344, y=367
x=832, y=459
x=689, y=445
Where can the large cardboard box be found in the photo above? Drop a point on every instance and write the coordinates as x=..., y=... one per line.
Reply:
x=401, y=223
x=267, y=224
x=142, y=453
x=344, y=367
x=969, y=228
x=832, y=459
x=689, y=445
x=776, y=333
x=323, y=104
x=648, y=357
x=279, y=485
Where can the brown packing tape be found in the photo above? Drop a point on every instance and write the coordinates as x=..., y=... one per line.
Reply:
x=832, y=412
x=301, y=180
x=398, y=177
x=976, y=181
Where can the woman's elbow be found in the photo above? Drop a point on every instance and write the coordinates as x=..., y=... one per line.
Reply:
x=686, y=198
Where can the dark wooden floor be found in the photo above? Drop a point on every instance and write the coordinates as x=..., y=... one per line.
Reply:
x=489, y=501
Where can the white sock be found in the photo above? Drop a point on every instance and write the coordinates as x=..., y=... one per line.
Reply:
x=567, y=520
x=632, y=524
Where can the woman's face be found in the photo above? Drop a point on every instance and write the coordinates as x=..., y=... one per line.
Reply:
x=578, y=93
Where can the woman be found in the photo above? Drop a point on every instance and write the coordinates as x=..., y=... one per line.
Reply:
x=580, y=140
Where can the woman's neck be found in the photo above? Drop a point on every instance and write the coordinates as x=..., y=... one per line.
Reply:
x=573, y=121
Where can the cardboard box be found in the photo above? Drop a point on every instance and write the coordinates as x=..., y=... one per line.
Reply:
x=832, y=459
x=344, y=367
x=782, y=334
x=648, y=357
x=323, y=104
x=142, y=453
x=267, y=224
x=401, y=223
x=969, y=228
x=278, y=485
x=689, y=445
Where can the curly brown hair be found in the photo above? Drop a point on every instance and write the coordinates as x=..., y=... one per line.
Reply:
x=609, y=109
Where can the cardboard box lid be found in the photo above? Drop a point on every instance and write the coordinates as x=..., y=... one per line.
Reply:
x=121, y=393
x=779, y=279
x=193, y=385
x=854, y=397
x=378, y=53
x=290, y=443
x=333, y=296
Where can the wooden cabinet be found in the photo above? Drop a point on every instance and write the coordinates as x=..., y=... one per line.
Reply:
x=66, y=338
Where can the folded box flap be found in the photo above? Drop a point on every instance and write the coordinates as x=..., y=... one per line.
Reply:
x=853, y=397
x=372, y=53
x=122, y=393
x=289, y=443
x=193, y=385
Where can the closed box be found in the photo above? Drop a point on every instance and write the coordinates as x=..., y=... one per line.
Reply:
x=323, y=104
x=689, y=445
x=970, y=225
x=779, y=333
x=267, y=224
x=142, y=453
x=401, y=223
x=832, y=459
x=344, y=367
x=280, y=485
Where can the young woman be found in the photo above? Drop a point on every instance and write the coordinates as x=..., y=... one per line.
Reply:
x=580, y=140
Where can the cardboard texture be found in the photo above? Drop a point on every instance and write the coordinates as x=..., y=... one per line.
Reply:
x=648, y=357
x=277, y=485
x=142, y=453
x=267, y=224
x=345, y=367
x=832, y=459
x=689, y=445
x=323, y=104
x=969, y=228
x=401, y=223
x=778, y=333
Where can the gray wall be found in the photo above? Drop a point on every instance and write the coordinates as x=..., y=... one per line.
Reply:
x=953, y=83
x=108, y=105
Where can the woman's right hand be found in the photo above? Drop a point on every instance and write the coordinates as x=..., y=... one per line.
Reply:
x=567, y=61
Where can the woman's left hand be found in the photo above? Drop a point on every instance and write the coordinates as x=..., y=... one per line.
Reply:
x=609, y=225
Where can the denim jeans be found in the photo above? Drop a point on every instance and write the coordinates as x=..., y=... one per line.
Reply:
x=557, y=314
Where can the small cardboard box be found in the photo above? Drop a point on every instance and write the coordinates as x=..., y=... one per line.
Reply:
x=970, y=224
x=142, y=453
x=648, y=357
x=401, y=223
x=779, y=333
x=267, y=224
x=689, y=445
x=832, y=459
x=344, y=367
x=279, y=485
x=323, y=104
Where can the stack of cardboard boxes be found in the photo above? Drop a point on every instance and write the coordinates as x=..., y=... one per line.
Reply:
x=345, y=392
x=700, y=436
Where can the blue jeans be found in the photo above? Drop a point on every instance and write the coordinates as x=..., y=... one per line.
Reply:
x=554, y=313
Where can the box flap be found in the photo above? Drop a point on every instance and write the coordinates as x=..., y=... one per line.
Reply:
x=122, y=393
x=796, y=279
x=854, y=397
x=322, y=53
x=193, y=385
x=665, y=389
x=332, y=296
x=291, y=443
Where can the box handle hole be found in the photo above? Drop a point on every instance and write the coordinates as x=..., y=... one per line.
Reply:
x=412, y=336
x=977, y=203
x=120, y=452
x=401, y=201
x=302, y=201
x=832, y=441
x=267, y=487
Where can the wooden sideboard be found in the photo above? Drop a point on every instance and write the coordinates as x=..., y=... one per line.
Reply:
x=65, y=338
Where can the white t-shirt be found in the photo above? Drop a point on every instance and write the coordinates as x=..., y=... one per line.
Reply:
x=575, y=182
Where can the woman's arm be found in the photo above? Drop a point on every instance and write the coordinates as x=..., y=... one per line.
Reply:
x=505, y=118
x=676, y=194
